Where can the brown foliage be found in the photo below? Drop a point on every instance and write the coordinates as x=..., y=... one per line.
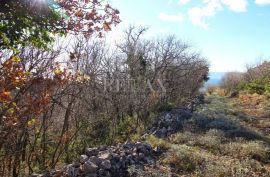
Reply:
x=50, y=110
x=230, y=81
x=88, y=17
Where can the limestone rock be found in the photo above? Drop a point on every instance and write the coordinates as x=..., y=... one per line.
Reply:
x=106, y=165
x=95, y=160
x=83, y=158
x=105, y=155
x=89, y=167
x=91, y=152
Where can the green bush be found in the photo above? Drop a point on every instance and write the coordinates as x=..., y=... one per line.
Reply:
x=126, y=127
x=259, y=86
x=267, y=88
x=183, y=158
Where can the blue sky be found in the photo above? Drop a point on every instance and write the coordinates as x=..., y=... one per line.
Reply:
x=229, y=33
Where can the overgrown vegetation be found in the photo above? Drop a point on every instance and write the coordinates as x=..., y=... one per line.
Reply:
x=64, y=88
x=259, y=86
x=255, y=80
x=82, y=92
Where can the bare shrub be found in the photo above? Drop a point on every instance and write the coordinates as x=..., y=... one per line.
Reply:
x=110, y=94
x=230, y=81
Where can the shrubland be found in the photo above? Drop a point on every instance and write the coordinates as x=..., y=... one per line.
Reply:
x=63, y=87
x=254, y=80
x=63, y=94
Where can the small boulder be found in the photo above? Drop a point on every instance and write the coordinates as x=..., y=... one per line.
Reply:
x=161, y=133
x=95, y=160
x=141, y=156
x=83, y=158
x=106, y=165
x=76, y=164
x=104, y=173
x=89, y=167
x=91, y=152
x=105, y=155
x=71, y=170
x=102, y=148
x=141, y=148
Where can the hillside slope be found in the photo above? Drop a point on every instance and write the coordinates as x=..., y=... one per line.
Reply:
x=218, y=140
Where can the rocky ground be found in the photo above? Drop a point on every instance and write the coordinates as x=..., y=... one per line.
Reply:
x=107, y=161
x=219, y=139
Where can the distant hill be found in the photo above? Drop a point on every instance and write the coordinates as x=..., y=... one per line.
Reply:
x=215, y=78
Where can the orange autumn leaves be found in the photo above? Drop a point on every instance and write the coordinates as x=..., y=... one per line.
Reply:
x=23, y=95
x=12, y=77
x=88, y=17
x=4, y=96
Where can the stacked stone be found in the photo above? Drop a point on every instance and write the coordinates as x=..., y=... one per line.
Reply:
x=108, y=161
x=172, y=121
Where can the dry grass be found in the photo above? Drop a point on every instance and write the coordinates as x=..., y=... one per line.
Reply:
x=218, y=141
x=158, y=142
x=256, y=106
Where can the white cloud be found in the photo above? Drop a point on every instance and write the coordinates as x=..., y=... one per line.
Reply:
x=184, y=1
x=262, y=2
x=236, y=5
x=197, y=15
x=171, y=18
